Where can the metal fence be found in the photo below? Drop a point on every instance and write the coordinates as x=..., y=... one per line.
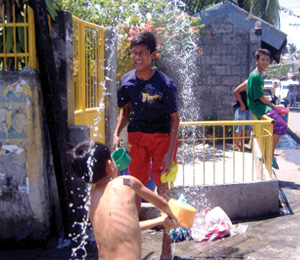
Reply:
x=17, y=39
x=206, y=154
x=88, y=74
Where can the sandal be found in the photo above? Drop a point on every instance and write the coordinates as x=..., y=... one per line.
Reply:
x=275, y=165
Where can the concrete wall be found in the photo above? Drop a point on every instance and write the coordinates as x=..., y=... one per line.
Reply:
x=29, y=203
x=28, y=195
x=226, y=61
x=242, y=201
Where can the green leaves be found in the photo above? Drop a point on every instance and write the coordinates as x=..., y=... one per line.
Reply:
x=20, y=32
x=50, y=9
x=9, y=39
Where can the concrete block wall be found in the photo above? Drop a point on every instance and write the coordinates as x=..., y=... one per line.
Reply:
x=28, y=199
x=227, y=59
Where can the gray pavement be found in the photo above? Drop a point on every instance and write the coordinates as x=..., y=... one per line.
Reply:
x=271, y=238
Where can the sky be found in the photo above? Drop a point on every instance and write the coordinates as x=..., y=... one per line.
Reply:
x=288, y=21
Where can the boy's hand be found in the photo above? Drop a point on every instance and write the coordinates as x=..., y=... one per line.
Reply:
x=170, y=223
x=243, y=107
x=117, y=142
x=167, y=164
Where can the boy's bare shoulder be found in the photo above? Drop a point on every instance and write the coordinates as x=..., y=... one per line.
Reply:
x=127, y=177
x=126, y=180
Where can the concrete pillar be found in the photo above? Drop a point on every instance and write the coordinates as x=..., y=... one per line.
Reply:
x=62, y=36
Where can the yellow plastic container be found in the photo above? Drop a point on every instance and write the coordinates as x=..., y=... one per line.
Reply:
x=185, y=212
x=172, y=174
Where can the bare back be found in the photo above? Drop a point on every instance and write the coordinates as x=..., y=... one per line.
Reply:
x=115, y=222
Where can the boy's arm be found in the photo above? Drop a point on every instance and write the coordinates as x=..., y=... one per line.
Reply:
x=168, y=158
x=238, y=90
x=122, y=119
x=267, y=102
x=158, y=201
x=161, y=220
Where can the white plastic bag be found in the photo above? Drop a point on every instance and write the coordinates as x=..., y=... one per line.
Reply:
x=210, y=225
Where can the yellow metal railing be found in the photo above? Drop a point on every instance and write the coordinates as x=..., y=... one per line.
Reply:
x=264, y=136
x=88, y=73
x=206, y=153
x=17, y=34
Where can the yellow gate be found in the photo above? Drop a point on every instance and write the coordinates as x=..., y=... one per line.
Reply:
x=88, y=73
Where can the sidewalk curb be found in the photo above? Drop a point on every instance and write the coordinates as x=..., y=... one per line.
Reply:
x=293, y=135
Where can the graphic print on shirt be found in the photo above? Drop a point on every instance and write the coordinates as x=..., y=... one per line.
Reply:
x=150, y=96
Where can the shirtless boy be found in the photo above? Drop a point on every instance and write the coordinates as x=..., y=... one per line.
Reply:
x=113, y=211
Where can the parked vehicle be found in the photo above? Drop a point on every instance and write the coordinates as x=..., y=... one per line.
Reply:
x=268, y=84
x=283, y=90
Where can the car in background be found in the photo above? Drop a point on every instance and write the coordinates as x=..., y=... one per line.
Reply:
x=268, y=84
x=283, y=89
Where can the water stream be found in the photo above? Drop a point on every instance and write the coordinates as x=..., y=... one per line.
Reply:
x=185, y=61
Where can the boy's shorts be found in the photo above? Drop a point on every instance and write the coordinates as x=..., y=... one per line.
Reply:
x=280, y=126
x=142, y=148
x=242, y=115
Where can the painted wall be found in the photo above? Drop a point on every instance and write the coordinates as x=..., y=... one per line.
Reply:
x=29, y=204
x=26, y=179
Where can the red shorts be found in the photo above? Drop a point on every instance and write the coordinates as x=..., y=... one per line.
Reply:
x=146, y=147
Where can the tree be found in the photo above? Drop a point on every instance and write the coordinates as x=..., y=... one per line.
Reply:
x=268, y=10
x=7, y=7
x=292, y=48
x=195, y=6
x=278, y=71
x=175, y=30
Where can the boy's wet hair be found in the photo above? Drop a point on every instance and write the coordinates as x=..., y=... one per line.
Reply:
x=88, y=160
x=144, y=38
x=260, y=52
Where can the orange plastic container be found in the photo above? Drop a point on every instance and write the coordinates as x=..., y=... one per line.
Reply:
x=284, y=112
x=185, y=212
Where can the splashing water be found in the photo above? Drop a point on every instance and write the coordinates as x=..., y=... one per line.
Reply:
x=179, y=58
x=84, y=225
